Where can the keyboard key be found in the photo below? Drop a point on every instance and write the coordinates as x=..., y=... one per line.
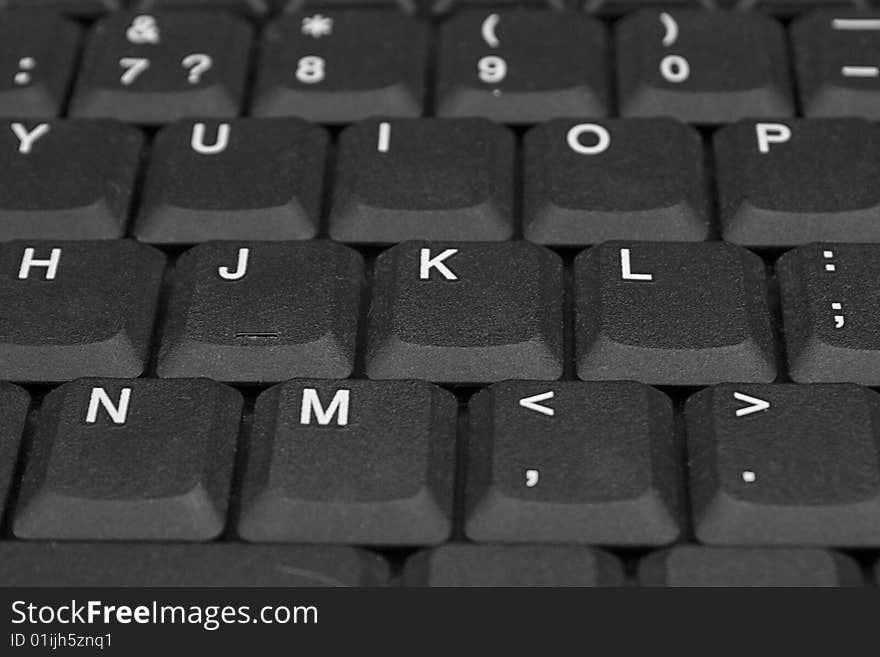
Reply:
x=424, y=179
x=257, y=312
x=466, y=313
x=74, y=309
x=250, y=8
x=491, y=65
x=34, y=564
x=647, y=182
x=66, y=179
x=456, y=565
x=240, y=180
x=342, y=66
x=829, y=298
x=14, y=403
x=443, y=6
x=692, y=565
x=156, y=68
x=702, y=67
x=78, y=8
x=408, y=6
x=137, y=459
x=573, y=463
x=785, y=465
x=672, y=314
x=361, y=462
x=37, y=56
x=783, y=184
x=836, y=55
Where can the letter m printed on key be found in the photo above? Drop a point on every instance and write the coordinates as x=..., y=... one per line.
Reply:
x=312, y=406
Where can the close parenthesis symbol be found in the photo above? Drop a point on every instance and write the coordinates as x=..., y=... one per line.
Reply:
x=488, y=30
x=671, y=29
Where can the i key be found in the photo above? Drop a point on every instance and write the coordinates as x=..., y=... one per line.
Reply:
x=702, y=67
x=672, y=314
x=66, y=180
x=837, y=59
x=466, y=313
x=73, y=309
x=37, y=57
x=832, y=320
x=491, y=65
x=646, y=182
x=14, y=404
x=360, y=462
x=783, y=184
x=156, y=68
x=254, y=312
x=423, y=179
x=342, y=66
x=571, y=462
x=130, y=459
x=785, y=465
x=245, y=179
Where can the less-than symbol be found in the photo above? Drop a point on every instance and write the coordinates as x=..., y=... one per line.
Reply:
x=533, y=403
x=755, y=405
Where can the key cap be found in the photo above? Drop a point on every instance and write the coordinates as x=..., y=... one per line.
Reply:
x=74, y=309
x=156, y=68
x=258, y=312
x=239, y=180
x=361, y=462
x=79, y=8
x=466, y=313
x=646, y=181
x=250, y=8
x=33, y=564
x=783, y=184
x=456, y=565
x=829, y=299
x=443, y=6
x=796, y=7
x=423, y=179
x=785, y=465
x=572, y=462
x=37, y=55
x=692, y=565
x=672, y=314
x=137, y=459
x=66, y=179
x=14, y=403
x=702, y=67
x=490, y=64
x=408, y=6
x=342, y=66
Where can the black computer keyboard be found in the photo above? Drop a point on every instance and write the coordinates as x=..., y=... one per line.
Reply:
x=439, y=293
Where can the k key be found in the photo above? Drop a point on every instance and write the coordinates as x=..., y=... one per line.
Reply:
x=155, y=68
x=702, y=67
x=136, y=459
x=342, y=66
x=491, y=65
x=672, y=314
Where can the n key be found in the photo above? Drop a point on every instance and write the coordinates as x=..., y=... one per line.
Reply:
x=137, y=459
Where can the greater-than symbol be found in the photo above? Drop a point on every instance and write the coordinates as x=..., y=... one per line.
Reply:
x=755, y=405
x=533, y=403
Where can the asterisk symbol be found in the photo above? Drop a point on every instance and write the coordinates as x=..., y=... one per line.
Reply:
x=317, y=26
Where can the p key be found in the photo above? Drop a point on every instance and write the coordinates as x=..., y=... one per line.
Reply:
x=672, y=314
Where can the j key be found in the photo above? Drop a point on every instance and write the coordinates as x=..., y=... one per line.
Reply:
x=646, y=181
x=491, y=65
x=342, y=66
x=135, y=459
x=245, y=179
x=254, y=312
x=350, y=462
x=785, y=465
x=832, y=320
x=249, y=8
x=466, y=313
x=78, y=8
x=782, y=184
x=66, y=179
x=424, y=179
x=573, y=463
x=73, y=309
x=33, y=564
x=702, y=67
x=456, y=565
x=697, y=566
x=837, y=58
x=14, y=403
x=672, y=314
x=37, y=56
x=157, y=68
